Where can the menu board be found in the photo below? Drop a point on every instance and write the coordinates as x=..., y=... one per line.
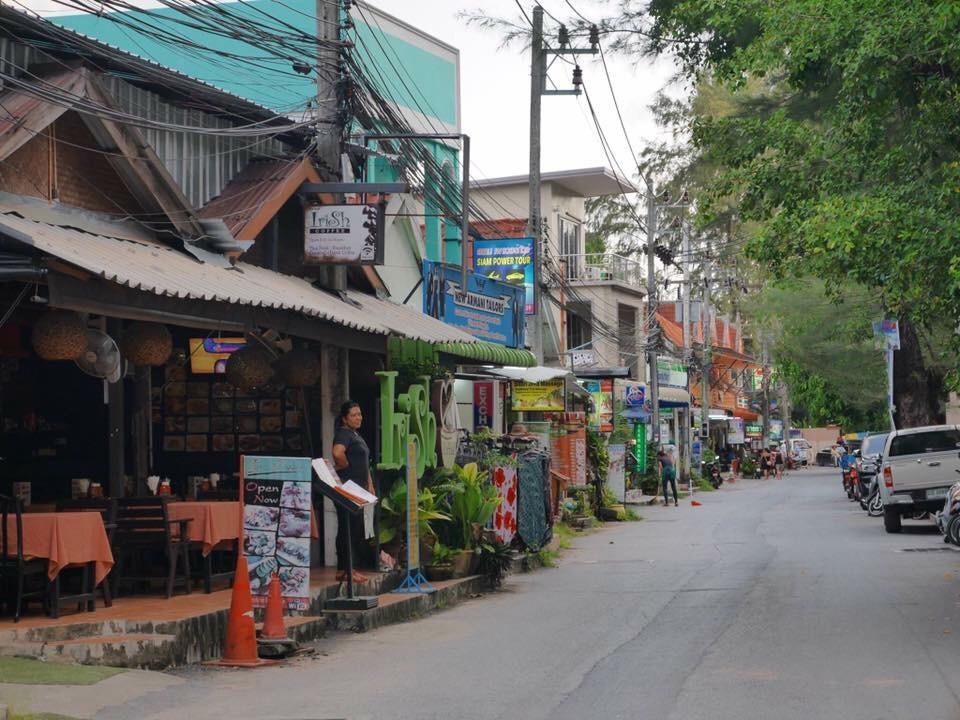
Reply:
x=276, y=527
x=202, y=413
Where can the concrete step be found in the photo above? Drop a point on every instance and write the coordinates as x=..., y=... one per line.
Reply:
x=399, y=607
x=151, y=651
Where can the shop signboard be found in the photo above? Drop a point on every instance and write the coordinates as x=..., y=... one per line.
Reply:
x=487, y=308
x=343, y=235
x=413, y=510
x=634, y=396
x=538, y=397
x=616, y=475
x=405, y=416
x=601, y=418
x=277, y=508
x=482, y=404
x=209, y=356
x=886, y=334
x=736, y=434
x=640, y=440
x=507, y=259
x=753, y=430
x=776, y=430
x=671, y=372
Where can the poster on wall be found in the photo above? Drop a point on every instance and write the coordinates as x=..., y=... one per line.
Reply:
x=736, y=435
x=343, y=235
x=538, y=397
x=482, y=404
x=616, y=475
x=601, y=418
x=507, y=259
x=488, y=309
x=276, y=527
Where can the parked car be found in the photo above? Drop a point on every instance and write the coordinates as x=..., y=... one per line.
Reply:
x=800, y=451
x=918, y=468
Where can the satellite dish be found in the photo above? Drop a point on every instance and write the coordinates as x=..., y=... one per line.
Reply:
x=102, y=358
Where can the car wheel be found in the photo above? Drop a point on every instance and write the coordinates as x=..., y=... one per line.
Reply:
x=892, y=522
x=953, y=530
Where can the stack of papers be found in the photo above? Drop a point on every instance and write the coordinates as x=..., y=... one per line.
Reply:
x=350, y=490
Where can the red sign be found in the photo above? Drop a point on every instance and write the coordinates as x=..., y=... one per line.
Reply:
x=482, y=404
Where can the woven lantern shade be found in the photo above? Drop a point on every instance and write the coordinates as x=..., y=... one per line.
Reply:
x=250, y=368
x=298, y=368
x=59, y=335
x=146, y=344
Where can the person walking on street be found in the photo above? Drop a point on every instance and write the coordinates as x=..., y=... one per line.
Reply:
x=668, y=473
x=778, y=462
x=765, y=463
x=351, y=459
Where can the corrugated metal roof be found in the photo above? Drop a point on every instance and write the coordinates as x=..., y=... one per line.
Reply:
x=162, y=270
x=408, y=322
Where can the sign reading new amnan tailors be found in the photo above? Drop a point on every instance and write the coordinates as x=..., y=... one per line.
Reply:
x=343, y=235
x=538, y=397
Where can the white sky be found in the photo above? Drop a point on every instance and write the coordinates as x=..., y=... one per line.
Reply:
x=495, y=89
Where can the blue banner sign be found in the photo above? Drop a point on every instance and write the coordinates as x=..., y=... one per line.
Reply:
x=488, y=309
x=507, y=259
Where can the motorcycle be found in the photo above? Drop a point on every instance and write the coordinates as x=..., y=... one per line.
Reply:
x=948, y=519
x=714, y=475
x=871, y=500
x=851, y=483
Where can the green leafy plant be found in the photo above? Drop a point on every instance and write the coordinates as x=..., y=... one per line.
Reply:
x=393, y=512
x=598, y=455
x=442, y=555
x=609, y=499
x=473, y=504
x=494, y=561
x=748, y=466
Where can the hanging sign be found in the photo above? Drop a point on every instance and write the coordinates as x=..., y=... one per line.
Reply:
x=671, y=373
x=886, y=334
x=536, y=397
x=276, y=527
x=634, y=396
x=343, y=235
x=507, y=259
x=482, y=404
x=487, y=308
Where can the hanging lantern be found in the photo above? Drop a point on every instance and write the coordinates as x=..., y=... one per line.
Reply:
x=250, y=368
x=59, y=335
x=298, y=368
x=146, y=344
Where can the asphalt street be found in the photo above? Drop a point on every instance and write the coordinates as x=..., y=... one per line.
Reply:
x=775, y=599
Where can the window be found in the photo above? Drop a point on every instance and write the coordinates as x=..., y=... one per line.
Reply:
x=873, y=444
x=579, y=325
x=570, y=250
x=925, y=442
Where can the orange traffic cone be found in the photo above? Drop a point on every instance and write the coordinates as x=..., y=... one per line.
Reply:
x=696, y=503
x=241, y=646
x=273, y=627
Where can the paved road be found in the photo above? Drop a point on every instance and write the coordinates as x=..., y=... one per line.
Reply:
x=775, y=599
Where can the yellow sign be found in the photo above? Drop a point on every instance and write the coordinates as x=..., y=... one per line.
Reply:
x=538, y=397
x=209, y=355
x=413, y=519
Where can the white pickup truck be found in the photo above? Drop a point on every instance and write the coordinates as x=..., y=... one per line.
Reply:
x=919, y=467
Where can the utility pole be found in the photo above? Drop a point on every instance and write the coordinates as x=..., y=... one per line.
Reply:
x=766, y=391
x=539, y=51
x=706, y=364
x=652, y=329
x=785, y=414
x=685, y=437
x=329, y=118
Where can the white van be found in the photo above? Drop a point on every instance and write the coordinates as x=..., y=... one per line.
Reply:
x=800, y=450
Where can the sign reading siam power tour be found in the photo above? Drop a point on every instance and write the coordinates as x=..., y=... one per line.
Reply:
x=507, y=259
x=488, y=309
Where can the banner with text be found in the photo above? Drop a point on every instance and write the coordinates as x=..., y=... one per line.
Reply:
x=507, y=259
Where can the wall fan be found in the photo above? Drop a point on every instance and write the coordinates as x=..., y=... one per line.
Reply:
x=102, y=358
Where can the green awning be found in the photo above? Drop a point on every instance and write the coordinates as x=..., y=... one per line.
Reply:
x=486, y=352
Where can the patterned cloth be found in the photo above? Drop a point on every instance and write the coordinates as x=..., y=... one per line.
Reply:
x=533, y=505
x=505, y=519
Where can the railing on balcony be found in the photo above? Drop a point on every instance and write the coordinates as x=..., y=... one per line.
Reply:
x=598, y=267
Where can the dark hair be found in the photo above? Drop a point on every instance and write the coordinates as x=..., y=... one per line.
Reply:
x=346, y=408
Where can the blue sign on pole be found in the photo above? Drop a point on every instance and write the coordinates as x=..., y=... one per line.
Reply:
x=487, y=308
x=507, y=259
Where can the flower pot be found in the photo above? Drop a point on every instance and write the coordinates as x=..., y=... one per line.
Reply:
x=462, y=563
x=441, y=571
x=614, y=512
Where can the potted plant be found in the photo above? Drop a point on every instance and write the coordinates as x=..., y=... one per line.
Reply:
x=440, y=566
x=473, y=504
x=494, y=560
x=393, y=516
x=611, y=508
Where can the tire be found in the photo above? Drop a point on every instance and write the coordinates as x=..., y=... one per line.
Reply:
x=875, y=505
x=953, y=530
x=892, y=522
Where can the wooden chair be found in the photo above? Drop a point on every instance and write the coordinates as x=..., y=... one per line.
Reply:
x=13, y=567
x=107, y=507
x=144, y=527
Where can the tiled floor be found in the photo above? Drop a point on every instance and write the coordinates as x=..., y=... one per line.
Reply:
x=155, y=608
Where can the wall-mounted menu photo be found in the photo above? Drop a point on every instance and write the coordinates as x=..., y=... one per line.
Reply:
x=174, y=424
x=198, y=425
x=198, y=390
x=223, y=406
x=247, y=424
x=220, y=424
x=271, y=424
x=174, y=443
x=222, y=390
x=197, y=443
x=271, y=407
x=224, y=443
x=246, y=406
x=271, y=443
x=249, y=443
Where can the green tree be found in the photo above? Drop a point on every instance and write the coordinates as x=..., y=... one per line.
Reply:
x=843, y=151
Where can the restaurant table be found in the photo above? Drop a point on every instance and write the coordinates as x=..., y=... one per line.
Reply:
x=64, y=539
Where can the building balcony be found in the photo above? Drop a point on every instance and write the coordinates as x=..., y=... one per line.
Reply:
x=603, y=268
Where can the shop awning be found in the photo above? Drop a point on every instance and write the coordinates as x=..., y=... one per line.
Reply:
x=673, y=396
x=144, y=265
x=488, y=353
x=530, y=374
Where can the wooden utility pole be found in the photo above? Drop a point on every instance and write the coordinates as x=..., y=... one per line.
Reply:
x=538, y=72
x=707, y=361
x=687, y=415
x=652, y=328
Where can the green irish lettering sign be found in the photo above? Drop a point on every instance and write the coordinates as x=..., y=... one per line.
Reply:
x=406, y=416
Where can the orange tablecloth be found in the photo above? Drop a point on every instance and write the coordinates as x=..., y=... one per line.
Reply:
x=216, y=521
x=71, y=538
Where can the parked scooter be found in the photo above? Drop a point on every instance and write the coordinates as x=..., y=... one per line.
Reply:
x=871, y=500
x=714, y=475
x=948, y=519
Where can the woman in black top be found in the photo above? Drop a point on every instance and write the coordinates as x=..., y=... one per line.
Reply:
x=351, y=458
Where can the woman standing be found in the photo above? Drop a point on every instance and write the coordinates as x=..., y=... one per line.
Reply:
x=351, y=458
x=765, y=463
